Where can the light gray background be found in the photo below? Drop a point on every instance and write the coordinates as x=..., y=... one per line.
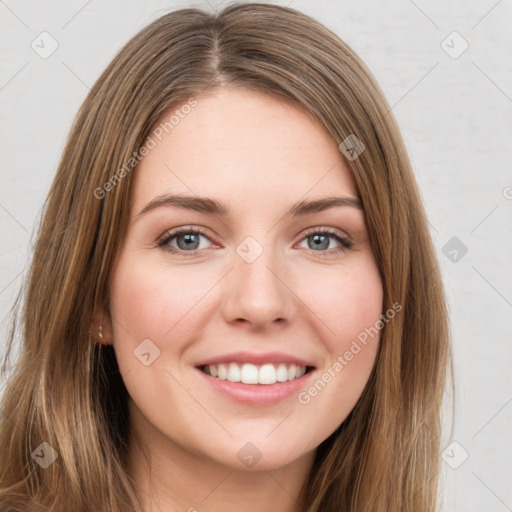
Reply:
x=456, y=118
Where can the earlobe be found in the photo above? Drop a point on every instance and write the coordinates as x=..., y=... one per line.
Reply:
x=100, y=333
x=101, y=328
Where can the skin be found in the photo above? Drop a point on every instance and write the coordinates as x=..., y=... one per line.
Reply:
x=259, y=156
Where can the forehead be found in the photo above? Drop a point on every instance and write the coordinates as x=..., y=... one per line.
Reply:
x=242, y=146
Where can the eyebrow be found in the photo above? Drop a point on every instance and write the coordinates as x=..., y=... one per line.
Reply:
x=213, y=207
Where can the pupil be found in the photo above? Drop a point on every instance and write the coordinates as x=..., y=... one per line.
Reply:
x=318, y=242
x=189, y=239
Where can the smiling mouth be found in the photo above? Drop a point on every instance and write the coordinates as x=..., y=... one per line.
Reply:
x=266, y=374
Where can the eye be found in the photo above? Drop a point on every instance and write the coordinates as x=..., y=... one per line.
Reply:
x=187, y=240
x=319, y=239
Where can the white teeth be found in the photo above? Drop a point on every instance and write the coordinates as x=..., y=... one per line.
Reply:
x=222, y=372
x=282, y=373
x=267, y=374
x=249, y=374
x=233, y=373
x=253, y=374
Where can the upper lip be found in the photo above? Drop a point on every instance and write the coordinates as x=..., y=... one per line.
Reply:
x=255, y=358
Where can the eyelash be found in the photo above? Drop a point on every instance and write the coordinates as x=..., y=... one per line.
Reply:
x=162, y=242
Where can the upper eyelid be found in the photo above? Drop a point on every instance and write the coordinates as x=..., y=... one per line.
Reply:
x=171, y=233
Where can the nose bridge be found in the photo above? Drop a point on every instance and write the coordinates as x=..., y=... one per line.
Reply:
x=256, y=290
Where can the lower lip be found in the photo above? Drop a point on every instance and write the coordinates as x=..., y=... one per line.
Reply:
x=257, y=394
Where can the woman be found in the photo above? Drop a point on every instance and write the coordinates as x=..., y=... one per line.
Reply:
x=295, y=358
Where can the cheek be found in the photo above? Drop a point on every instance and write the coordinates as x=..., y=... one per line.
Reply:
x=148, y=299
x=349, y=305
x=155, y=303
x=347, y=302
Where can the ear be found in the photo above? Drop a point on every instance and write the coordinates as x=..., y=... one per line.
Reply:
x=101, y=318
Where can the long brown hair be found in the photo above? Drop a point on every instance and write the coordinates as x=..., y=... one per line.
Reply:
x=66, y=389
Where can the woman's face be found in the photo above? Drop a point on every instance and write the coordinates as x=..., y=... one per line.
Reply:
x=258, y=295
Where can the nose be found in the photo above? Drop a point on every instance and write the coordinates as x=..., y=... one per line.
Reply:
x=257, y=293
